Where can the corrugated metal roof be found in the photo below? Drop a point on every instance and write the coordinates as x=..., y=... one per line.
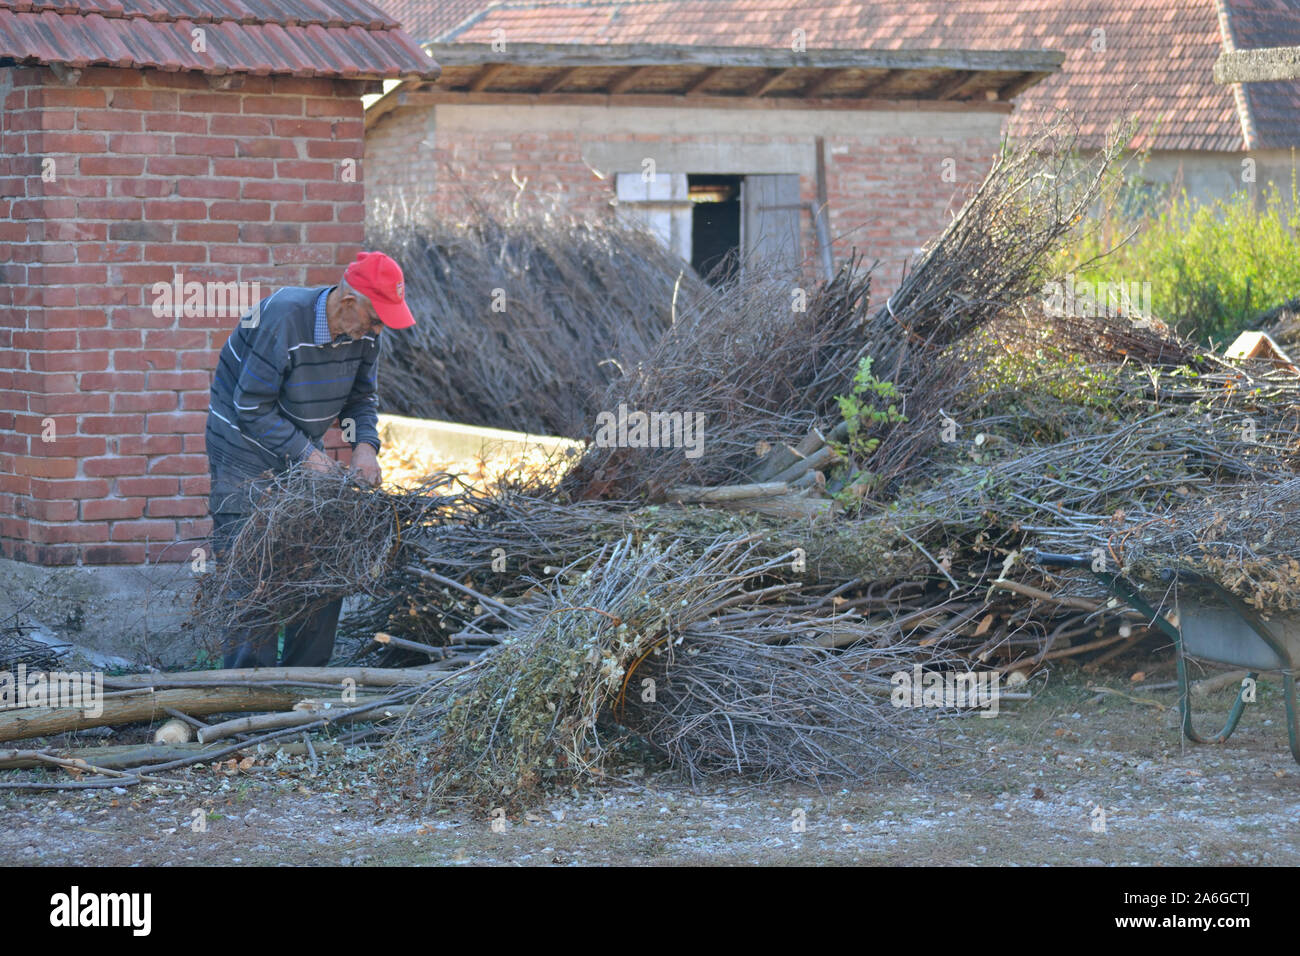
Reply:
x=344, y=38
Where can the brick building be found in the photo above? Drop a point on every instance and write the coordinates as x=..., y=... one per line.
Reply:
x=716, y=148
x=145, y=146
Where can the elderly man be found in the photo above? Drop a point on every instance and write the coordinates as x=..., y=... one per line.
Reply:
x=304, y=358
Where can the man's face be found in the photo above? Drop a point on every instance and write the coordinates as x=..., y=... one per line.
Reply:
x=359, y=318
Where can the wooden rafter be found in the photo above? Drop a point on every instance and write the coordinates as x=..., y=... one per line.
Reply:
x=871, y=89
x=630, y=78
x=767, y=82
x=704, y=80
x=558, y=80
x=485, y=76
x=957, y=85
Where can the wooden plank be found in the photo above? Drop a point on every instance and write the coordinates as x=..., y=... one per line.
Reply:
x=644, y=54
x=770, y=211
x=705, y=101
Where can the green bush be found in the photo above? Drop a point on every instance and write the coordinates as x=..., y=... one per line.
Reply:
x=1212, y=267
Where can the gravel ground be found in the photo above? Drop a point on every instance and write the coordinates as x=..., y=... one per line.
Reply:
x=1071, y=777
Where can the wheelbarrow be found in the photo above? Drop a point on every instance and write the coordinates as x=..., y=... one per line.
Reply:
x=1225, y=630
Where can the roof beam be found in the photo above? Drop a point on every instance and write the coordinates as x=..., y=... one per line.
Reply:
x=558, y=80
x=958, y=84
x=485, y=76
x=719, y=101
x=628, y=79
x=1021, y=83
x=1258, y=66
x=821, y=84
x=871, y=89
x=662, y=54
x=765, y=84
x=704, y=79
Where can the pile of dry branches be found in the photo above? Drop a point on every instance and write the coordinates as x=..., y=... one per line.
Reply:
x=523, y=318
x=870, y=484
x=313, y=537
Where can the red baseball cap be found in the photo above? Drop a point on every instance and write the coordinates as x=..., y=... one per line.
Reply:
x=379, y=278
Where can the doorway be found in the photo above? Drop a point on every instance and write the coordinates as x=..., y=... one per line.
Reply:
x=715, y=225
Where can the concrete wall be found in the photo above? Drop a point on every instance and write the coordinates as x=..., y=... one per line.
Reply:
x=891, y=176
x=1211, y=176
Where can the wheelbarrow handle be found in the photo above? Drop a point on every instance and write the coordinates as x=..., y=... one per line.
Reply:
x=1051, y=560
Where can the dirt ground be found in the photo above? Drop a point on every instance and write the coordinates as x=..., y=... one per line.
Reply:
x=1071, y=777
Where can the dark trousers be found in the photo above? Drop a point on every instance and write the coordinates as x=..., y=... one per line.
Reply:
x=308, y=641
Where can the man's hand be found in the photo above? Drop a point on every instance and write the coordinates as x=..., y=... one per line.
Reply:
x=319, y=461
x=366, y=461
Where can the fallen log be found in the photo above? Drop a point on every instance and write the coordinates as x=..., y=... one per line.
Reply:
x=335, y=676
x=196, y=701
x=786, y=506
x=263, y=722
x=1209, y=685
x=688, y=494
x=125, y=756
x=437, y=653
x=818, y=460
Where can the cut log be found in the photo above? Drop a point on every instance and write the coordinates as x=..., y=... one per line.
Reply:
x=786, y=506
x=42, y=721
x=124, y=756
x=1209, y=685
x=335, y=676
x=698, y=493
x=263, y=722
x=778, y=459
x=818, y=460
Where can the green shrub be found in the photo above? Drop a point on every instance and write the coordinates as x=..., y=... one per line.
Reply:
x=1212, y=267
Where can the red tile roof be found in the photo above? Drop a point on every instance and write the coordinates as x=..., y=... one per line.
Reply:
x=345, y=38
x=1152, y=57
x=426, y=20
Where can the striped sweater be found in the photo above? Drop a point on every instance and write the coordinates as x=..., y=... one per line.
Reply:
x=279, y=385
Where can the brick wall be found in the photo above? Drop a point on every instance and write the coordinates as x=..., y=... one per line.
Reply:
x=888, y=186
x=147, y=174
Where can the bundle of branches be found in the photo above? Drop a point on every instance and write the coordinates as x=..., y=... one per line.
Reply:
x=1092, y=339
x=548, y=703
x=758, y=374
x=751, y=362
x=313, y=537
x=1242, y=536
x=523, y=318
x=435, y=595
